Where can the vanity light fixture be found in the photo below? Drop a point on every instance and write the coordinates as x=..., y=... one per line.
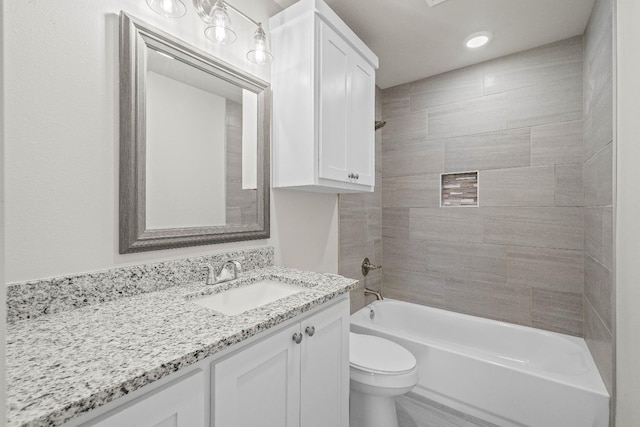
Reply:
x=214, y=13
x=220, y=31
x=477, y=40
x=260, y=53
x=168, y=8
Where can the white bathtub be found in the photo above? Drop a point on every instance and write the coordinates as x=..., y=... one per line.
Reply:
x=507, y=374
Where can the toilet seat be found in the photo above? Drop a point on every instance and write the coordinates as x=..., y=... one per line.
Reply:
x=379, y=356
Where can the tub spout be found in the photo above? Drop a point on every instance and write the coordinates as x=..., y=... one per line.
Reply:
x=378, y=294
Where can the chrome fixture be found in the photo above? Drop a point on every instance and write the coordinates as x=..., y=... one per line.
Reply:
x=366, y=266
x=214, y=14
x=380, y=124
x=222, y=273
x=378, y=295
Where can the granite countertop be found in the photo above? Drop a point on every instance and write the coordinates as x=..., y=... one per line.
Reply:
x=65, y=364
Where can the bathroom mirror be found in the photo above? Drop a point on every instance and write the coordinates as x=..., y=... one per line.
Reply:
x=194, y=145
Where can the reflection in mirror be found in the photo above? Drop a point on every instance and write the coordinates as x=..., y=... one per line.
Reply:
x=201, y=136
x=201, y=130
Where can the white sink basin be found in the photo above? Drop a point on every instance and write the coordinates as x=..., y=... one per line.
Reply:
x=238, y=300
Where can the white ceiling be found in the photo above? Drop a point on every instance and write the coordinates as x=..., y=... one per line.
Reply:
x=413, y=40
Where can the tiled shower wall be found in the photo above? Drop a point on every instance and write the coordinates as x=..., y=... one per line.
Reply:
x=361, y=230
x=519, y=257
x=599, y=296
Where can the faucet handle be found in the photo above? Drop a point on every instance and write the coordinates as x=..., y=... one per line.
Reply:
x=237, y=264
x=211, y=274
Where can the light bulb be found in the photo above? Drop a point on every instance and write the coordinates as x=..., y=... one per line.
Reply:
x=260, y=56
x=167, y=6
x=221, y=35
x=220, y=32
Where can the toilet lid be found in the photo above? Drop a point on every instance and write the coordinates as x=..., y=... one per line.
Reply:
x=379, y=355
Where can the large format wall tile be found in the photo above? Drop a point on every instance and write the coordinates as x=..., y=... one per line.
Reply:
x=557, y=143
x=598, y=288
x=557, y=311
x=551, y=62
x=598, y=178
x=598, y=46
x=543, y=268
x=560, y=228
x=594, y=232
x=395, y=222
x=598, y=122
x=408, y=128
x=600, y=342
x=504, y=149
x=395, y=101
x=420, y=288
x=446, y=224
x=411, y=191
x=447, y=88
x=468, y=260
x=413, y=159
x=405, y=255
x=487, y=299
x=546, y=102
x=530, y=186
x=569, y=185
x=477, y=115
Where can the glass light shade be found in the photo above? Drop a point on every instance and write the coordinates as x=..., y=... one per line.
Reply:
x=220, y=32
x=205, y=9
x=260, y=54
x=168, y=8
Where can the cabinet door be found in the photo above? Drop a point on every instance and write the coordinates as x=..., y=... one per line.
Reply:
x=361, y=119
x=260, y=385
x=179, y=404
x=325, y=369
x=333, y=100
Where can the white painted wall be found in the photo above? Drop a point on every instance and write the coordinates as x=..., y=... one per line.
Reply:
x=627, y=233
x=186, y=155
x=61, y=128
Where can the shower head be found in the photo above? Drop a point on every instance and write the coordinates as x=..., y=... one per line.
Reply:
x=380, y=124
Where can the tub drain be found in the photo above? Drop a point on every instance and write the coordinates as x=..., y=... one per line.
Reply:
x=372, y=314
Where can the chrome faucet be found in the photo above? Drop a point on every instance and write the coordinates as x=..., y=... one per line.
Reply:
x=222, y=273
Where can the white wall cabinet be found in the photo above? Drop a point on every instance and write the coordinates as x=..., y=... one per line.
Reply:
x=179, y=404
x=298, y=377
x=323, y=82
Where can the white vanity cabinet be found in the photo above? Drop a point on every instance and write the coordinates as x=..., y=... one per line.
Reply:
x=297, y=377
x=323, y=82
x=178, y=404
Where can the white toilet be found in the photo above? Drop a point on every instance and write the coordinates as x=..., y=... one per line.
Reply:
x=380, y=370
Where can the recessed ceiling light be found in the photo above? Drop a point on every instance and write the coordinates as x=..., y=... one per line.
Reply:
x=476, y=40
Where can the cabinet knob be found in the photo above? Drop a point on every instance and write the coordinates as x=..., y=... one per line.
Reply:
x=310, y=330
x=297, y=338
